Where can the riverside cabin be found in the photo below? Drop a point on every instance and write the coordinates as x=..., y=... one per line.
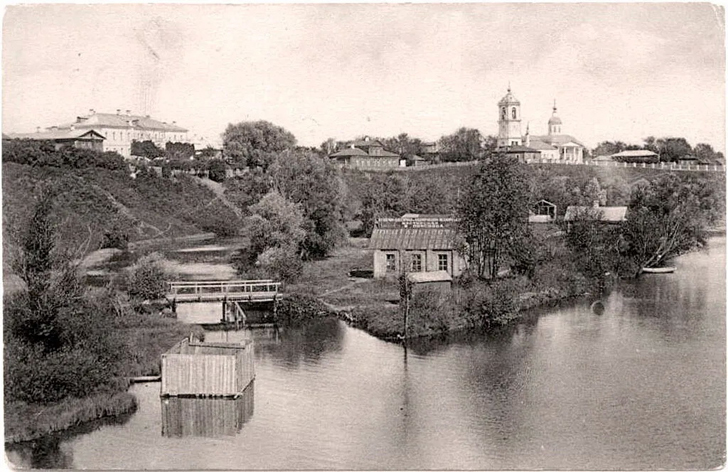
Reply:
x=198, y=369
x=425, y=242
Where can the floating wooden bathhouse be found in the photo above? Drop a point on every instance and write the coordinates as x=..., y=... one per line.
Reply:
x=198, y=369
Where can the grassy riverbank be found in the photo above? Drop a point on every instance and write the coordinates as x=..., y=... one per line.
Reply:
x=373, y=305
x=25, y=422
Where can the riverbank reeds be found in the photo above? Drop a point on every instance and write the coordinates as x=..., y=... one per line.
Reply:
x=26, y=421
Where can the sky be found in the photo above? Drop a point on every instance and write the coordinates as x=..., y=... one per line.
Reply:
x=619, y=71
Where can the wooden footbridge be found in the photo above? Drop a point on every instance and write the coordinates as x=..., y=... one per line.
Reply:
x=233, y=294
x=223, y=290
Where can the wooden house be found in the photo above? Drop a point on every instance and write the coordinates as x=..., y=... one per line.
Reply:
x=78, y=138
x=366, y=154
x=427, y=243
x=601, y=214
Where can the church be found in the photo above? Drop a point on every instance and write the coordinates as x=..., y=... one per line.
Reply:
x=554, y=146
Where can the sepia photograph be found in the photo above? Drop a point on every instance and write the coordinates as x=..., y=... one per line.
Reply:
x=364, y=236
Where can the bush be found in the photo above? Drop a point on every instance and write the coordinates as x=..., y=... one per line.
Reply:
x=146, y=279
x=281, y=263
x=296, y=309
x=493, y=305
x=217, y=170
x=116, y=237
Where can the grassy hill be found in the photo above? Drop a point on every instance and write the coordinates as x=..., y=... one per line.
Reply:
x=93, y=202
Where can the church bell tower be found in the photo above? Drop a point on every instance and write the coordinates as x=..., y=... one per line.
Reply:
x=509, y=121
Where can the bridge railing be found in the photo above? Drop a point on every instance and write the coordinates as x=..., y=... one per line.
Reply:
x=223, y=287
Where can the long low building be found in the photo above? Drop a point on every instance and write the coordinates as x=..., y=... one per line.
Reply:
x=78, y=138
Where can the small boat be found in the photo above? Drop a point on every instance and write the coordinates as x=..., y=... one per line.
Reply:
x=658, y=270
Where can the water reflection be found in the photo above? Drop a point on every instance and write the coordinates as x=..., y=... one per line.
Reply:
x=207, y=417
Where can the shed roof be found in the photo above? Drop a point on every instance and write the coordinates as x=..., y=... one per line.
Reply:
x=349, y=152
x=413, y=238
x=607, y=214
x=537, y=144
x=434, y=276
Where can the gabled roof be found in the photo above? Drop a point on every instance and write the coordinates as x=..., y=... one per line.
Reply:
x=58, y=134
x=558, y=139
x=413, y=238
x=606, y=214
x=110, y=120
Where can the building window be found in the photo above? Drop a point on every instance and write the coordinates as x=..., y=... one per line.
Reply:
x=513, y=112
x=391, y=262
x=503, y=113
x=442, y=262
x=416, y=262
x=114, y=135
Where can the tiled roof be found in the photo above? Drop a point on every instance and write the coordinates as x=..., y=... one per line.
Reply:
x=110, y=120
x=384, y=153
x=433, y=276
x=58, y=134
x=413, y=238
x=608, y=214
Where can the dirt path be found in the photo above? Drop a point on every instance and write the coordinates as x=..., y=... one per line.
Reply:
x=219, y=190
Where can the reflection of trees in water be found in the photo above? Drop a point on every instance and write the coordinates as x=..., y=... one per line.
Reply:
x=46, y=452
x=307, y=343
x=429, y=345
x=207, y=417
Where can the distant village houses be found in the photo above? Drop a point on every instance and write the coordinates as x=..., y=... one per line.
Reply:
x=366, y=154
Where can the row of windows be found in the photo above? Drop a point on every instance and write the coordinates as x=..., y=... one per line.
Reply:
x=377, y=162
x=416, y=262
x=173, y=137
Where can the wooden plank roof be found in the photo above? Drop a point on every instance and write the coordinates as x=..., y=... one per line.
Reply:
x=436, y=239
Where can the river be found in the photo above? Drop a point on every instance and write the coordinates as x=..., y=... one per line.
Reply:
x=639, y=386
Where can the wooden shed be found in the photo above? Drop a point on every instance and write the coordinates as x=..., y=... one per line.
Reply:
x=198, y=369
x=438, y=280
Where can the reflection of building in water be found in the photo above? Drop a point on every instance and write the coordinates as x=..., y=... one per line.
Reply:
x=206, y=416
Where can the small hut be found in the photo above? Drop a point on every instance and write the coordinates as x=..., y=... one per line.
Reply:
x=438, y=280
x=198, y=369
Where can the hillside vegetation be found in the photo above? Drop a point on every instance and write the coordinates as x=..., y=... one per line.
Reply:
x=99, y=207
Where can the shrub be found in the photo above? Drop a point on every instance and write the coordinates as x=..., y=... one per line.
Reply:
x=282, y=263
x=301, y=308
x=146, y=279
x=493, y=305
x=217, y=170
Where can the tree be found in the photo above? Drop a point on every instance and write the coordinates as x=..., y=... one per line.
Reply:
x=384, y=196
x=275, y=230
x=179, y=150
x=672, y=149
x=667, y=219
x=147, y=278
x=217, y=170
x=493, y=212
x=466, y=144
x=316, y=186
x=146, y=149
x=607, y=148
x=253, y=142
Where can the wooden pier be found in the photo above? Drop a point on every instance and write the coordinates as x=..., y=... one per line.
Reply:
x=198, y=369
x=223, y=290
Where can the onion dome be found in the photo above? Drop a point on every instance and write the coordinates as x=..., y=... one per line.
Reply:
x=554, y=120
